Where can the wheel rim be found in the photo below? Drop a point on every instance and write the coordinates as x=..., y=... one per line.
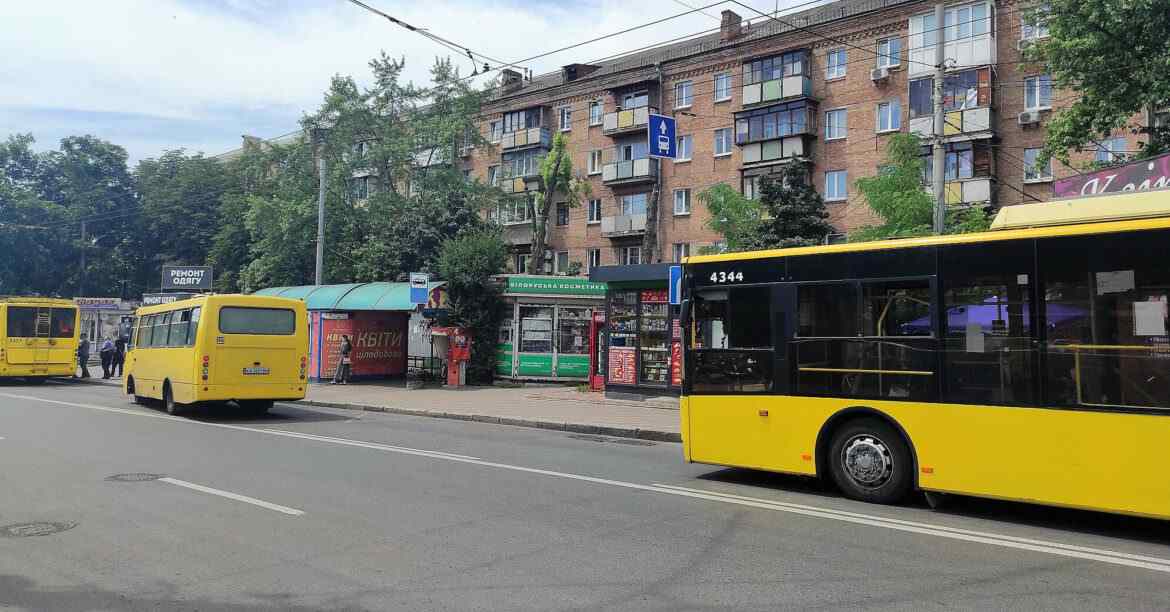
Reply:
x=867, y=461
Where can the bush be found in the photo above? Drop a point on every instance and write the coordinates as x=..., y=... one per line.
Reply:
x=468, y=262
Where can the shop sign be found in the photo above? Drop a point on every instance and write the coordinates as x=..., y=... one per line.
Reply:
x=377, y=338
x=554, y=285
x=655, y=296
x=154, y=299
x=103, y=303
x=622, y=365
x=186, y=278
x=1145, y=175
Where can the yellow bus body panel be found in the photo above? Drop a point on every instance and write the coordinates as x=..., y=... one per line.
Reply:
x=37, y=357
x=229, y=354
x=1072, y=458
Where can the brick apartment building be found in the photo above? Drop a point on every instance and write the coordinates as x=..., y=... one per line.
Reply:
x=827, y=85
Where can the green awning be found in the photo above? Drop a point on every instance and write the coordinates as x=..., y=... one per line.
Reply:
x=358, y=296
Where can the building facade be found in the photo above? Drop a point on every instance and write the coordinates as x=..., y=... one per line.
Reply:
x=827, y=86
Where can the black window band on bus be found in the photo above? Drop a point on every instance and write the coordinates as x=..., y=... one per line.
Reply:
x=246, y=320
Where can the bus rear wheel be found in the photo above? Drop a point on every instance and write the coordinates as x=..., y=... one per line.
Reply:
x=173, y=408
x=870, y=461
x=256, y=407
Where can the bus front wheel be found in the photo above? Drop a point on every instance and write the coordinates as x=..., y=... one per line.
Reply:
x=870, y=461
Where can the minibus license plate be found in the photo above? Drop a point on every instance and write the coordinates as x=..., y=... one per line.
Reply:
x=255, y=371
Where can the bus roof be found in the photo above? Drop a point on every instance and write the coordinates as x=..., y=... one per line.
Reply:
x=1079, y=229
x=259, y=301
x=40, y=301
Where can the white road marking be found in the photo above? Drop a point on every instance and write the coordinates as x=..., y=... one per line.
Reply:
x=235, y=496
x=1157, y=564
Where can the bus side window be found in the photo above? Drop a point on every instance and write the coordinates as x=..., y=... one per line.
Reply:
x=145, y=331
x=162, y=328
x=193, y=328
x=733, y=341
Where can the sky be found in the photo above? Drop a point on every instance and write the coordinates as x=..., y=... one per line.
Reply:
x=155, y=75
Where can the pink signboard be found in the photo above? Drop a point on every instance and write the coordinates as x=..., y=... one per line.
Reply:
x=1145, y=175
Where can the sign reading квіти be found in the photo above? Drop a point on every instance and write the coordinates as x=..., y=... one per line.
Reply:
x=186, y=278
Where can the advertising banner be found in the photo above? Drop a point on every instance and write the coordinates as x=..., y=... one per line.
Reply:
x=186, y=278
x=378, y=340
x=154, y=299
x=676, y=364
x=622, y=365
x=1145, y=175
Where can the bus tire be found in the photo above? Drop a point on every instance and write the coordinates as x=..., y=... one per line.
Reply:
x=173, y=407
x=870, y=461
x=256, y=407
x=134, y=397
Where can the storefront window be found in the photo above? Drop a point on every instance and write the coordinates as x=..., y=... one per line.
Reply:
x=654, y=338
x=536, y=327
x=573, y=331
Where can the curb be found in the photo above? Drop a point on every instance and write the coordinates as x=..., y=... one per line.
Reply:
x=585, y=428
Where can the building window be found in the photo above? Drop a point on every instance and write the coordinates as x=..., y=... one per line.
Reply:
x=889, y=116
x=1038, y=92
x=1033, y=172
x=681, y=249
x=522, y=120
x=722, y=142
x=595, y=161
x=722, y=87
x=514, y=211
x=835, y=124
x=835, y=64
x=836, y=185
x=594, y=259
x=1034, y=22
x=634, y=204
x=594, y=211
x=565, y=114
x=629, y=256
x=967, y=21
x=792, y=63
x=595, y=113
x=520, y=261
x=562, y=213
x=776, y=121
x=683, y=148
x=493, y=175
x=682, y=201
x=561, y=263
x=683, y=94
x=889, y=52
x=1111, y=150
x=360, y=188
x=495, y=131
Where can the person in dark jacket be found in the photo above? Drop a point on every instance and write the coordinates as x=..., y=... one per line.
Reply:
x=83, y=356
x=341, y=375
x=107, y=355
x=119, y=356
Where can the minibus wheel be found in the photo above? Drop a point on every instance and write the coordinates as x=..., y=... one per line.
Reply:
x=169, y=400
x=870, y=461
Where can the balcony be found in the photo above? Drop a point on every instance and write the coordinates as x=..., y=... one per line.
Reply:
x=627, y=121
x=795, y=86
x=430, y=156
x=775, y=133
x=629, y=172
x=969, y=39
x=519, y=181
x=975, y=190
x=623, y=225
x=970, y=123
x=531, y=137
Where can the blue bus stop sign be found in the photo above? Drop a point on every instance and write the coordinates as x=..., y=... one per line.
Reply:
x=660, y=132
x=676, y=285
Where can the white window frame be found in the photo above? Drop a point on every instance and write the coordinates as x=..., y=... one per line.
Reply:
x=844, y=127
x=594, y=162
x=887, y=58
x=557, y=268
x=592, y=219
x=600, y=116
x=1033, y=87
x=835, y=68
x=722, y=136
x=624, y=255
x=679, y=250
x=520, y=260
x=841, y=197
x=683, y=153
x=681, y=101
x=686, y=201
x=715, y=84
x=493, y=174
x=893, y=116
x=1108, y=149
x=1034, y=30
x=953, y=28
x=496, y=130
x=1037, y=177
x=594, y=259
x=565, y=118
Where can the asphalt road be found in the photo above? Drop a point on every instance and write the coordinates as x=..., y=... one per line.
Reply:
x=328, y=509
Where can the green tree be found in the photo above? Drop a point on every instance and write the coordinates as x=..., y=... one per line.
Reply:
x=737, y=218
x=468, y=262
x=181, y=198
x=557, y=181
x=897, y=196
x=1114, y=55
x=794, y=213
x=36, y=249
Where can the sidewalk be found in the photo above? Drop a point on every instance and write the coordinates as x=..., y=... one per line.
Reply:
x=558, y=408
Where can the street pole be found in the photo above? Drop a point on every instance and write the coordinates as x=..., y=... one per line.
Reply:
x=319, y=276
x=939, y=153
x=81, y=275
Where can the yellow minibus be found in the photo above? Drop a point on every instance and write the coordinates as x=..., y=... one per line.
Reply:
x=38, y=338
x=252, y=350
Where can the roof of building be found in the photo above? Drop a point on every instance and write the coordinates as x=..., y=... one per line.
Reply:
x=352, y=296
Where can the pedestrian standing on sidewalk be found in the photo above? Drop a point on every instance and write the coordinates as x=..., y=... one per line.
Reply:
x=83, y=356
x=107, y=355
x=119, y=356
x=341, y=375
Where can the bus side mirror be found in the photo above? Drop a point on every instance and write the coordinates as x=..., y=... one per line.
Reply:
x=684, y=316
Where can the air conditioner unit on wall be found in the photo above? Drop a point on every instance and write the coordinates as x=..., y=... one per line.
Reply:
x=1023, y=43
x=879, y=74
x=1029, y=118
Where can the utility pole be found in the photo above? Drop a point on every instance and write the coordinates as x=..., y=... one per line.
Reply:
x=81, y=274
x=319, y=140
x=939, y=159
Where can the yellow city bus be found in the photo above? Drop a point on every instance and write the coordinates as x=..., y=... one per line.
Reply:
x=216, y=348
x=1025, y=364
x=38, y=338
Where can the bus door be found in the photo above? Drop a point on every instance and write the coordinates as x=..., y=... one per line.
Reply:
x=783, y=328
x=27, y=325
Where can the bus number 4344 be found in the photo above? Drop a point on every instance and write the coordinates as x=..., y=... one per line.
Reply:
x=727, y=277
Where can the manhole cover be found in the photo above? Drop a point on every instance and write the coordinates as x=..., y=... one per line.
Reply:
x=135, y=477
x=28, y=530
